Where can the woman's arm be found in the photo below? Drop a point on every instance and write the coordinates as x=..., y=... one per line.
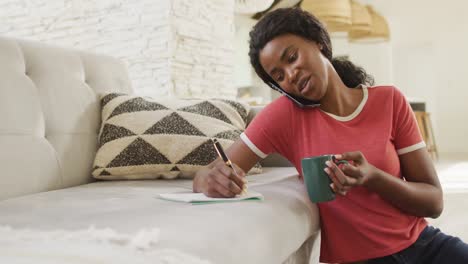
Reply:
x=420, y=194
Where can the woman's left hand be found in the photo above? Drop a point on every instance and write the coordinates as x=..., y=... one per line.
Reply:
x=346, y=176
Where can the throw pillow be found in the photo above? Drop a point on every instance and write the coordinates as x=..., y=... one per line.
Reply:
x=144, y=138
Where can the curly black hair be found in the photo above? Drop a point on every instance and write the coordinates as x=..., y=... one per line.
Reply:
x=301, y=23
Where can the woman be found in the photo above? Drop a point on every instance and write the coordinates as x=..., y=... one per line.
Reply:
x=390, y=184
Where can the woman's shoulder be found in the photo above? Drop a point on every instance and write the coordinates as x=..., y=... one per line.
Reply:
x=383, y=88
x=387, y=95
x=280, y=110
x=385, y=92
x=279, y=105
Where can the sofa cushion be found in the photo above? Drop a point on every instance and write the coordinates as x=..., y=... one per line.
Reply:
x=144, y=138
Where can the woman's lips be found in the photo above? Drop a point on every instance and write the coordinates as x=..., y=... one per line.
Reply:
x=306, y=87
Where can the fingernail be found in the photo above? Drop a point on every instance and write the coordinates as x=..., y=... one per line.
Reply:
x=327, y=170
x=244, y=180
x=328, y=163
x=338, y=156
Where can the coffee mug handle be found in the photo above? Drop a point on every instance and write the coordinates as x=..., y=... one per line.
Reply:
x=338, y=162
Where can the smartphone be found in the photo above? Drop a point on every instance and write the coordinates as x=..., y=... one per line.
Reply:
x=301, y=102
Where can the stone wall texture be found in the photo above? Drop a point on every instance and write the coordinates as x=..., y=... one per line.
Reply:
x=180, y=48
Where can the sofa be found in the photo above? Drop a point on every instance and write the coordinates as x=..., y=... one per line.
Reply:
x=48, y=139
x=50, y=113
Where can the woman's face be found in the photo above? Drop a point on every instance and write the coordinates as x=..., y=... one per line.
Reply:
x=297, y=65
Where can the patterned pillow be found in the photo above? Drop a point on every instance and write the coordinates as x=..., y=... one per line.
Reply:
x=143, y=138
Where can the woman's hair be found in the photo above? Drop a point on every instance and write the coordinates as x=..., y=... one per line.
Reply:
x=301, y=23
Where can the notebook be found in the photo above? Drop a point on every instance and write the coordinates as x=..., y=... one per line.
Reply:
x=200, y=198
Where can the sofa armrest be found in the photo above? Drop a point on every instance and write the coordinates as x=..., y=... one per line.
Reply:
x=254, y=110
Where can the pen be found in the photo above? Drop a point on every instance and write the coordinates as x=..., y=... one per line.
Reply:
x=227, y=161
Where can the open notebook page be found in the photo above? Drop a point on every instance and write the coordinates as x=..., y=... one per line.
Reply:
x=199, y=198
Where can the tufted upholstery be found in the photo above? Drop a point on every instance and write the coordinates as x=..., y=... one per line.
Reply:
x=50, y=114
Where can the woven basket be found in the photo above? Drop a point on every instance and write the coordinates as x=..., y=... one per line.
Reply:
x=361, y=19
x=335, y=14
x=379, y=29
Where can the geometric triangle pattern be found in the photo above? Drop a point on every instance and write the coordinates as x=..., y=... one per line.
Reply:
x=174, y=124
x=135, y=105
x=145, y=138
x=107, y=98
x=104, y=172
x=239, y=107
x=228, y=134
x=207, y=109
x=111, y=132
x=139, y=152
x=203, y=155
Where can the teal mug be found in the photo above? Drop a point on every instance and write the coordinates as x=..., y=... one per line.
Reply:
x=316, y=179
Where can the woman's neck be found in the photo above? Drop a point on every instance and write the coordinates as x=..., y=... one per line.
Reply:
x=339, y=99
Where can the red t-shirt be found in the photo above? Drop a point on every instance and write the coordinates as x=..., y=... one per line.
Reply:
x=360, y=225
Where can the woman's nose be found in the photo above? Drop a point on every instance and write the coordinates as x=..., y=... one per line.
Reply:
x=292, y=74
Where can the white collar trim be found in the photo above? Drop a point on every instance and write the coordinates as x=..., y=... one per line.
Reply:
x=356, y=112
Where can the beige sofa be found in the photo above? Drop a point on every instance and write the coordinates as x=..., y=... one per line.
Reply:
x=48, y=137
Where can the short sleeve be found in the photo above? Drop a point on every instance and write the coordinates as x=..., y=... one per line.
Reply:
x=406, y=134
x=269, y=130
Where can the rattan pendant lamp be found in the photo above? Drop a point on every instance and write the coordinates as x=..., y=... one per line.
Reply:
x=335, y=14
x=379, y=30
x=361, y=20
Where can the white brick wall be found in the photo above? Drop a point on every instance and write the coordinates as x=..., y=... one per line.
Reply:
x=171, y=47
x=203, y=60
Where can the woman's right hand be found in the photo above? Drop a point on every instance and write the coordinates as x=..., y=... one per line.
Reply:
x=219, y=181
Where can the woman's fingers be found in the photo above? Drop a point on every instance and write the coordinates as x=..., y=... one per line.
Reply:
x=355, y=156
x=341, y=182
x=228, y=183
x=341, y=191
x=336, y=186
x=215, y=187
x=342, y=178
x=347, y=176
x=239, y=176
x=212, y=190
x=223, y=181
x=351, y=170
x=336, y=183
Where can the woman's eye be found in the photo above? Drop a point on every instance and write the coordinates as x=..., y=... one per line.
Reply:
x=292, y=57
x=279, y=78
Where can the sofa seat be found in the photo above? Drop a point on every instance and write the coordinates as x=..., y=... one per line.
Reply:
x=266, y=231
